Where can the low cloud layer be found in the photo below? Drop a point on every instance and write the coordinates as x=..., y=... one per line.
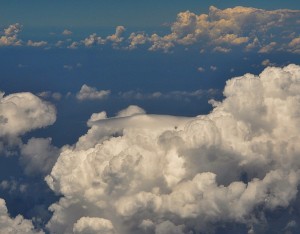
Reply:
x=139, y=173
x=220, y=30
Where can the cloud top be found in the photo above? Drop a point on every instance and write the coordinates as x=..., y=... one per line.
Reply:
x=165, y=174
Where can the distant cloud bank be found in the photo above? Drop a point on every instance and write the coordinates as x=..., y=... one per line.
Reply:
x=218, y=31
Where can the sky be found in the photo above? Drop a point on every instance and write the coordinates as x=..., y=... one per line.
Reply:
x=104, y=13
x=149, y=117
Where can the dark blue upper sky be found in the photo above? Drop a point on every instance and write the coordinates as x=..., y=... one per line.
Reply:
x=99, y=13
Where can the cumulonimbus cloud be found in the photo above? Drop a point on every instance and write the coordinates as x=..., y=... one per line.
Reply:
x=165, y=174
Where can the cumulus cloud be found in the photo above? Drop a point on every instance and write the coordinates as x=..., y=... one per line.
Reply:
x=17, y=225
x=91, y=93
x=165, y=174
x=67, y=32
x=93, y=225
x=38, y=156
x=221, y=30
x=9, y=37
x=130, y=111
x=23, y=112
x=231, y=27
x=136, y=39
x=19, y=114
x=117, y=36
x=94, y=39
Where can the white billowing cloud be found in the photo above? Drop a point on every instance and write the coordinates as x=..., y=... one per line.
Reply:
x=17, y=225
x=220, y=29
x=10, y=35
x=23, y=112
x=130, y=111
x=91, y=93
x=93, y=225
x=166, y=174
x=117, y=37
x=38, y=156
x=95, y=117
x=94, y=39
x=164, y=43
x=137, y=39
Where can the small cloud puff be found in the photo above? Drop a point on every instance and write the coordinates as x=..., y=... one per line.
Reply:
x=130, y=111
x=67, y=32
x=93, y=225
x=91, y=93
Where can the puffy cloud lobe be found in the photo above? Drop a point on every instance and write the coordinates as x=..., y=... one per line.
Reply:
x=130, y=111
x=22, y=112
x=137, y=39
x=17, y=225
x=220, y=29
x=93, y=39
x=10, y=36
x=38, y=156
x=165, y=174
x=91, y=93
x=93, y=225
x=232, y=26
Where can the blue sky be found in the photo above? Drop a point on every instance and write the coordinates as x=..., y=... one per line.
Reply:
x=104, y=13
x=149, y=117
